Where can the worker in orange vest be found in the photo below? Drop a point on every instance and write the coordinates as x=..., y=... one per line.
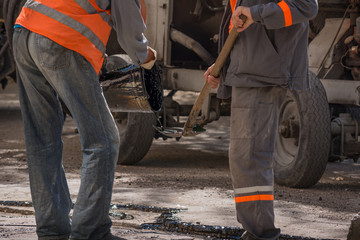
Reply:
x=59, y=48
x=269, y=57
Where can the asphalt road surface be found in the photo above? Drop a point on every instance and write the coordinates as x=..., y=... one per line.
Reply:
x=180, y=186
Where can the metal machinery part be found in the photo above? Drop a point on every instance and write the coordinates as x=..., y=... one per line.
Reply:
x=186, y=42
x=347, y=130
x=191, y=123
x=131, y=88
x=335, y=58
x=135, y=128
x=127, y=91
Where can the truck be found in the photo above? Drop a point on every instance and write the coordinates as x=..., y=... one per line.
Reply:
x=316, y=126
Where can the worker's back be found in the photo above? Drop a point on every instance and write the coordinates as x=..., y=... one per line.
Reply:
x=80, y=25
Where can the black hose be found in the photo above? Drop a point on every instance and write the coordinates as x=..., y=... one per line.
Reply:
x=212, y=9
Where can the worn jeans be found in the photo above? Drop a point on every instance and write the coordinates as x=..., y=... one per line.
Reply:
x=47, y=72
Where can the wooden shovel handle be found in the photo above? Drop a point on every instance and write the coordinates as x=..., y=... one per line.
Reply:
x=215, y=72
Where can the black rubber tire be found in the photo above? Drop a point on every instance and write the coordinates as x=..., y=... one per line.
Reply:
x=11, y=10
x=300, y=162
x=136, y=136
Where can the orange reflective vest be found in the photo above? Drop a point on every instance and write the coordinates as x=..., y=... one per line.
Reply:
x=80, y=25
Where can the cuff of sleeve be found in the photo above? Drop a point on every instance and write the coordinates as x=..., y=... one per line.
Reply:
x=255, y=12
x=151, y=63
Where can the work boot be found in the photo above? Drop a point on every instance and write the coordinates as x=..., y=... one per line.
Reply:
x=108, y=237
x=112, y=237
x=247, y=236
x=64, y=237
x=354, y=231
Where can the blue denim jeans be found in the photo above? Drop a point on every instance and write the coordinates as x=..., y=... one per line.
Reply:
x=47, y=72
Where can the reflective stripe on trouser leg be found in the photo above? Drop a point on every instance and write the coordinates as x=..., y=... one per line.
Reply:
x=254, y=117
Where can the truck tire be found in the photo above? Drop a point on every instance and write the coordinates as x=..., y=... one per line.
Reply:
x=136, y=136
x=302, y=147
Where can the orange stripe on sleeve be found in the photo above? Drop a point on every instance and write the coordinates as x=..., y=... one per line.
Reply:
x=287, y=13
x=233, y=5
x=254, y=198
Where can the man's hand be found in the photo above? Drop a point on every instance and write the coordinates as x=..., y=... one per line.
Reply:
x=212, y=81
x=150, y=60
x=238, y=22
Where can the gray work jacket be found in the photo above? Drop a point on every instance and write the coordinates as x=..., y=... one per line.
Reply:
x=129, y=26
x=268, y=53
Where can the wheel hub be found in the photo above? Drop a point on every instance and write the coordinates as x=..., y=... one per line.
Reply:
x=289, y=128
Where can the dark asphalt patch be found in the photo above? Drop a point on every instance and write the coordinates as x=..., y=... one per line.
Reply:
x=167, y=221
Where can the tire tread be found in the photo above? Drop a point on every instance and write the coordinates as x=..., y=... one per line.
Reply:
x=314, y=141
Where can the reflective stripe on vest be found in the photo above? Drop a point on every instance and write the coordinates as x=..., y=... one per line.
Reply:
x=79, y=25
x=91, y=7
x=233, y=5
x=287, y=13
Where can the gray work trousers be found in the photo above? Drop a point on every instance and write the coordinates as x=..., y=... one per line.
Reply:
x=254, y=123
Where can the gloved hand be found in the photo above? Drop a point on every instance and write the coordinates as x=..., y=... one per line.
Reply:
x=152, y=77
x=150, y=61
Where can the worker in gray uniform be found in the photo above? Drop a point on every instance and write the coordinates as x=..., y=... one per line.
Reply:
x=59, y=48
x=269, y=57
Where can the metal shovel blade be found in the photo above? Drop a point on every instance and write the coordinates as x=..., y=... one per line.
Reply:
x=173, y=132
x=176, y=132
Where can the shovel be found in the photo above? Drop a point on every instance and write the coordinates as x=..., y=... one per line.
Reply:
x=189, y=128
